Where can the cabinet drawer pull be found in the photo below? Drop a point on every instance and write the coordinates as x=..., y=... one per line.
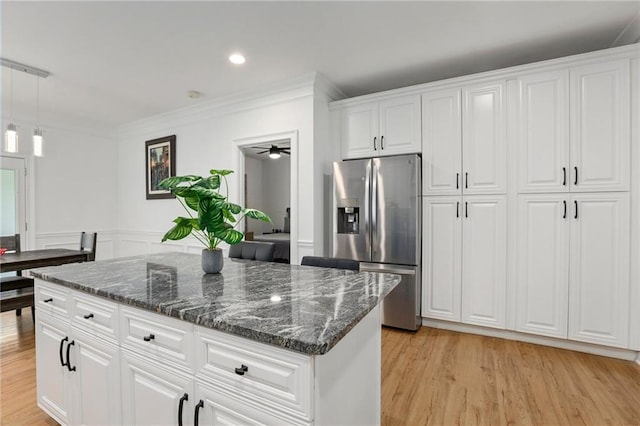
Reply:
x=457, y=180
x=576, y=204
x=381, y=142
x=88, y=316
x=374, y=143
x=575, y=182
x=199, y=405
x=243, y=369
x=457, y=208
x=49, y=300
x=149, y=338
x=184, y=398
x=466, y=180
x=62, y=363
x=564, y=215
x=564, y=176
x=73, y=342
x=466, y=209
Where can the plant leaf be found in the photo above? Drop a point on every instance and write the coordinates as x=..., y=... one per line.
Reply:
x=230, y=236
x=212, y=182
x=179, y=231
x=192, y=201
x=233, y=208
x=227, y=215
x=173, y=181
x=209, y=215
x=220, y=172
x=257, y=214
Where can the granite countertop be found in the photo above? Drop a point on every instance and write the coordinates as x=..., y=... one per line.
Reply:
x=301, y=308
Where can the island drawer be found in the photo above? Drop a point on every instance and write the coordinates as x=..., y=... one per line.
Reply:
x=98, y=317
x=157, y=336
x=261, y=373
x=52, y=299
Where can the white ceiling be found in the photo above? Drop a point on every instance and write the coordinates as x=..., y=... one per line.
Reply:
x=116, y=62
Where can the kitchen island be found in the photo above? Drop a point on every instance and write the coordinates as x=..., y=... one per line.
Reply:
x=153, y=340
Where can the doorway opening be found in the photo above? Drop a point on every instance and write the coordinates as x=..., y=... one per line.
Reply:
x=267, y=181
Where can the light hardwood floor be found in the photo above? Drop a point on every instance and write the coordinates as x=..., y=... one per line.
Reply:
x=432, y=377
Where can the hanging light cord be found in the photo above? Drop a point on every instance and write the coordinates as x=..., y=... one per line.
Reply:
x=38, y=102
x=11, y=98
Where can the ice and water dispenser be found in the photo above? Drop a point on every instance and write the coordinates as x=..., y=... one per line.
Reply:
x=348, y=217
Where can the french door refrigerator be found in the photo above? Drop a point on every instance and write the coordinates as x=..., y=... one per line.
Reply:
x=378, y=222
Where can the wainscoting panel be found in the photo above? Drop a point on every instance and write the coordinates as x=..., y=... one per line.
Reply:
x=105, y=248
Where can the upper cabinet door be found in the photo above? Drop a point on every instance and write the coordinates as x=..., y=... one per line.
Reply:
x=400, y=130
x=360, y=130
x=442, y=142
x=484, y=160
x=543, y=132
x=600, y=133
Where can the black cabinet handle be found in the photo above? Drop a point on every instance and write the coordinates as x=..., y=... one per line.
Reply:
x=88, y=316
x=457, y=180
x=149, y=338
x=564, y=216
x=575, y=182
x=374, y=143
x=184, y=398
x=466, y=180
x=199, y=405
x=466, y=209
x=457, y=208
x=243, y=369
x=49, y=300
x=564, y=176
x=381, y=142
x=576, y=204
x=73, y=342
x=62, y=363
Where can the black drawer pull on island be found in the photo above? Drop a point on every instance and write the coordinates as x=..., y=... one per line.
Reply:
x=73, y=342
x=88, y=316
x=199, y=405
x=49, y=300
x=149, y=338
x=62, y=363
x=184, y=398
x=243, y=369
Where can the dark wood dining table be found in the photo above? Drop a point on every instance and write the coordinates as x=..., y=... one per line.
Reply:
x=31, y=259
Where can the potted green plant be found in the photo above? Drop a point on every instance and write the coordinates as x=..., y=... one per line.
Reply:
x=212, y=218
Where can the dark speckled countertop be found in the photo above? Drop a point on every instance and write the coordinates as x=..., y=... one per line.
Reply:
x=301, y=308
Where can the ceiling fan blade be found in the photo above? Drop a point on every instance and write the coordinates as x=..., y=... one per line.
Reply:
x=262, y=152
x=285, y=152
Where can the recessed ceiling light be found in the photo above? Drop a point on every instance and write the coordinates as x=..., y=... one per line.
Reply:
x=237, y=59
x=194, y=94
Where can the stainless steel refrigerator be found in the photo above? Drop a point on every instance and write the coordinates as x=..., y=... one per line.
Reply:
x=378, y=213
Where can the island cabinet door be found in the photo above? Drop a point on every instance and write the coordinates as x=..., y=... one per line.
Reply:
x=52, y=338
x=154, y=394
x=96, y=381
x=218, y=405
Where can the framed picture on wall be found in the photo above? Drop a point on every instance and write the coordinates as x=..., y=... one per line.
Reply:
x=161, y=163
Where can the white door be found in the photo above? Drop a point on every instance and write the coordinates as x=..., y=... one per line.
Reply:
x=52, y=338
x=360, y=131
x=152, y=394
x=442, y=142
x=400, y=126
x=13, y=198
x=542, y=284
x=96, y=381
x=543, y=132
x=599, y=269
x=441, y=270
x=484, y=160
x=600, y=138
x=484, y=260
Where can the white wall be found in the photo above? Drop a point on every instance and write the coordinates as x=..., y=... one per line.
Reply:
x=253, y=171
x=205, y=135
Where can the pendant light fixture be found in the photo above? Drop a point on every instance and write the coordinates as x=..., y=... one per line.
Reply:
x=11, y=135
x=37, y=133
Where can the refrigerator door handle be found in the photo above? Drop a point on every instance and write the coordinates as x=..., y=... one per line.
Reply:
x=374, y=209
x=367, y=209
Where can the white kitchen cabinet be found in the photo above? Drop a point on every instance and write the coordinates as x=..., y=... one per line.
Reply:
x=484, y=160
x=154, y=394
x=599, y=265
x=388, y=127
x=600, y=126
x=484, y=260
x=441, y=142
x=464, y=140
x=465, y=265
x=78, y=375
x=442, y=258
x=542, y=284
x=54, y=390
x=543, y=132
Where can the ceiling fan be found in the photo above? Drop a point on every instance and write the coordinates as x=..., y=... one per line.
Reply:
x=274, y=151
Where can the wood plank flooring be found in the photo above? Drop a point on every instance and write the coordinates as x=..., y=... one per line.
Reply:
x=432, y=377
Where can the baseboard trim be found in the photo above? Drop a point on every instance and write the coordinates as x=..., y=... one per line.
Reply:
x=625, y=354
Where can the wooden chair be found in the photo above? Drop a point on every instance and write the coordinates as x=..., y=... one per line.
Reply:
x=254, y=250
x=89, y=242
x=16, y=292
x=331, y=262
